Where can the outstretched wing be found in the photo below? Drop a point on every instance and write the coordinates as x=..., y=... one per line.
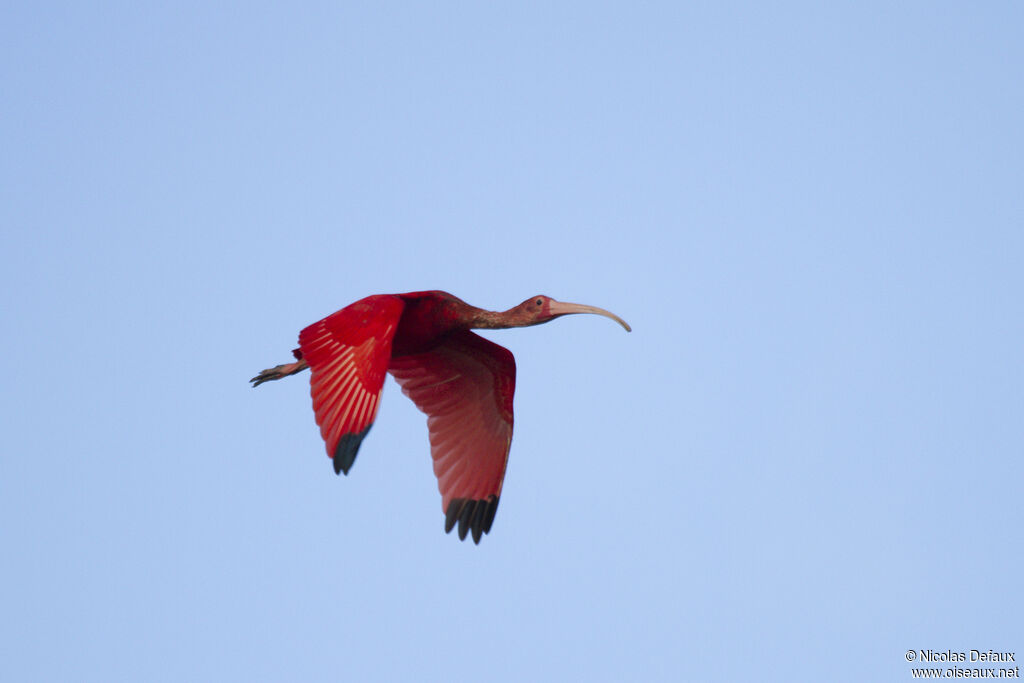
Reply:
x=348, y=353
x=465, y=386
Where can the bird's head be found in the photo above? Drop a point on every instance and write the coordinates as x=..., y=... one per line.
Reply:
x=541, y=309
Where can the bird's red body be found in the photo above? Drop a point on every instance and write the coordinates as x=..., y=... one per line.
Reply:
x=463, y=382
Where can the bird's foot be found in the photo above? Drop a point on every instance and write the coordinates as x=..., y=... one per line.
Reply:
x=277, y=372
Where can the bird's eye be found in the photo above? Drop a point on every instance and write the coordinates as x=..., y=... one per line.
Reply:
x=539, y=302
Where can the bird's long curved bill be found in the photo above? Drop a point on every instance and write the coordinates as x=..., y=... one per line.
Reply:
x=561, y=308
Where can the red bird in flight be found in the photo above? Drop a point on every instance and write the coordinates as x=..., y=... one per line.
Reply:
x=463, y=382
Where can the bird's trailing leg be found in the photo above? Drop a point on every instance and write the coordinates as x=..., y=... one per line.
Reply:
x=278, y=372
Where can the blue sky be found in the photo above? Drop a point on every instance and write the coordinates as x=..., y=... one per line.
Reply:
x=803, y=462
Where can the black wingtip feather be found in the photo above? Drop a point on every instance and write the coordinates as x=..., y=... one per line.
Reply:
x=467, y=511
x=492, y=508
x=475, y=521
x=471, y=515
x=452, y=515
x=345, y=451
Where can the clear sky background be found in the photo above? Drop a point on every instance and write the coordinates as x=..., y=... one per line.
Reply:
x=803, y=462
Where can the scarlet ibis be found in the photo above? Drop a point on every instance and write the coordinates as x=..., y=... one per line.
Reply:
x=463, y=382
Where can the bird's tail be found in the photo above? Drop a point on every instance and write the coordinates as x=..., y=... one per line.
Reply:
x=278, y=372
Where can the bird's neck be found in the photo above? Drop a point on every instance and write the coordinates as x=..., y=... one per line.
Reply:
x=491, y=320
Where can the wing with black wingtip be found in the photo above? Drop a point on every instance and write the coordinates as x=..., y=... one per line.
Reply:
x=348, y=354
x=465, y=386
